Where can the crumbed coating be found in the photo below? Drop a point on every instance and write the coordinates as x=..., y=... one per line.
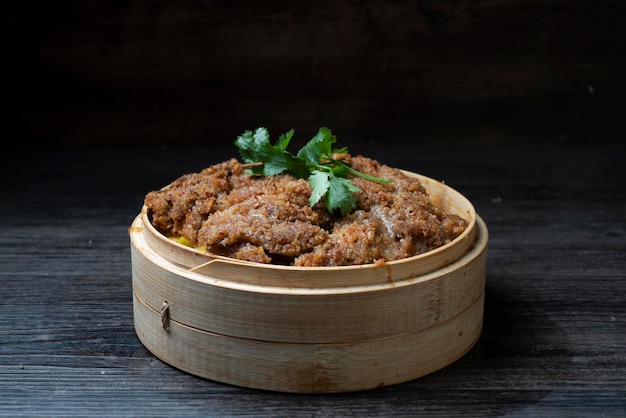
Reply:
x=279, y=219
x=269, y=219
x=180, y=208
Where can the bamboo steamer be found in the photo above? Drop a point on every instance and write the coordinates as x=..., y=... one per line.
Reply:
x=305, y=329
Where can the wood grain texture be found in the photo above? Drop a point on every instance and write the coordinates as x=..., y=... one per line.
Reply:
x=201, y=71
x=555, y=309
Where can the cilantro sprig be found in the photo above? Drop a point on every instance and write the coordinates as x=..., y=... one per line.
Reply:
x=314, y=162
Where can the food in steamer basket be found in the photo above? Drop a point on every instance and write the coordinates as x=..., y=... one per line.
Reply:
x=320, y=207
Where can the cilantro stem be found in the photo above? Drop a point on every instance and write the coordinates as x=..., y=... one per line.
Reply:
x=359, y=174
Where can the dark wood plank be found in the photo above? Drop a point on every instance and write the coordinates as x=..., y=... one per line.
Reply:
x=555, y=312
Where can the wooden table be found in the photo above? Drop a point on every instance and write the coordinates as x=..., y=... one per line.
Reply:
x=554, y=338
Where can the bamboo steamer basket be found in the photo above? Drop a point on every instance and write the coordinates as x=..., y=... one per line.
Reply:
x=311, y=329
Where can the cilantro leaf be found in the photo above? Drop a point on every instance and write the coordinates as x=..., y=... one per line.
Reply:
x=320, y=182
x=284, y=139
x=275, y=164
x=341, y=196
x=256, y=147
x=318, y=146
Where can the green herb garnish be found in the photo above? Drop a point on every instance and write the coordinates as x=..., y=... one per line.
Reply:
x=314, y=161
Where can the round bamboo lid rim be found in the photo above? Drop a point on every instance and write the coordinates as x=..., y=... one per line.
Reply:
x=468, y=233
x=138, y=240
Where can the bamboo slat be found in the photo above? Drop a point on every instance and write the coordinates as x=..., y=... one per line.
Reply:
x=309, y=368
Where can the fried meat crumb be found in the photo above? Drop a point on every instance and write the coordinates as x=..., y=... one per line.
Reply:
x=269, y=220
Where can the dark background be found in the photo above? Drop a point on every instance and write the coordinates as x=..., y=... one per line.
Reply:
x=379, y=72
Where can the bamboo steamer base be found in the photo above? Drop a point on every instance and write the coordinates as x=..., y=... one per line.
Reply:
x=309, y=368
x=303, y=340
